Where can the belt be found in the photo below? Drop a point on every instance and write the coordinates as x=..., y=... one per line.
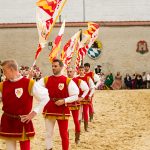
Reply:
x=55, y=99
x=12, y=116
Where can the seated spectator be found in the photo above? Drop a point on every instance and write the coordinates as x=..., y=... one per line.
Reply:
x=134, y=81
x=139, y=81
x=98, y=69
x=148, y=80
x=102, y=81
x=128, y=81
x=144, y=80
x=108, y=81
x=117, y=83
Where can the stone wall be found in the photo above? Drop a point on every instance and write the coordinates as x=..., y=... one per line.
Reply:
x=118, y=54
x=79, y=10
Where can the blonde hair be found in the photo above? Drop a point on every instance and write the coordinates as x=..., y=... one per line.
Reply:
x=10, y=64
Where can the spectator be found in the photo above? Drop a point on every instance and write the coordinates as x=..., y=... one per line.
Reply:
x=117, y=84
x=148, y=80
x=144, y=80
x=98, y=69
x=134, y=81
x=108, y=81
x=128, y=81
x=139, y=81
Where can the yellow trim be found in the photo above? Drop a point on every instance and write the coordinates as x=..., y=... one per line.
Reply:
x=55, y=114
x=57, y=117
x=83, y=103
x=93, y=75
x=1, y=87
x=79, y=82
x=14, y=138
x=68, y=81
x=88, y=78
x=30, y=86
x=45, y=80
x=74, y=108
x=23, y=136
x=4, y=133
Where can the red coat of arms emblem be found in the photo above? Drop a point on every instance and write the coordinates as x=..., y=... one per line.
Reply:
x=142, y=47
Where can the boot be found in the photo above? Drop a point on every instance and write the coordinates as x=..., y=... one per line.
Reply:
x=77, y=137
x=86, y=126
x=80, y=122
x=91, y=117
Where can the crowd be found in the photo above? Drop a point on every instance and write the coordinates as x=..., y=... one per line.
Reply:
x=114, y=82
x=36, y=73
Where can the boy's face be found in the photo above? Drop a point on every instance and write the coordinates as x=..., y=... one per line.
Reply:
x=86, y=68
x=81, y=71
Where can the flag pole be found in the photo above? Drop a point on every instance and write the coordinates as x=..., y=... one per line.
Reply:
x=80, y=41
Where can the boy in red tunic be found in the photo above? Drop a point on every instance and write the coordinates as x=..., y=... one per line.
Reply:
x=16, y=94
x=75, y=106
x=96, y=80
x=86, y=101
x=62, y=90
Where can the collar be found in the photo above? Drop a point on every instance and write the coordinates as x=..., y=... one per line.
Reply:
x=16, y=78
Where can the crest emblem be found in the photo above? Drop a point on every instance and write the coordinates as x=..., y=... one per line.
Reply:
x=19, y=92
x=61, y=86
x=94, y=53
x=95, y=50
x=142, y=47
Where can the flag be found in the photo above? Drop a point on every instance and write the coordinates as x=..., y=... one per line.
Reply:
x=56, y=45
x=69, y=49
x=83, y=47
x=47, y=13
x=38, y=51
x=87, y=34
x=92, y=27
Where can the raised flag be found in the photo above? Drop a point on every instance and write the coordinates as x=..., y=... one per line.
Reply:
x=69, y=49
x=47, y=13
x=56, y=44
x=83, y=47
x=92, y=27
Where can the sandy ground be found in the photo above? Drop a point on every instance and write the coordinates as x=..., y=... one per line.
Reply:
x=121, y=122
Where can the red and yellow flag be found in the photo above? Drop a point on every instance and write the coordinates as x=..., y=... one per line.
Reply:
x=69, y=48
x=92, y=27
x=92, y=32
x=56, y=45
x=47, y=14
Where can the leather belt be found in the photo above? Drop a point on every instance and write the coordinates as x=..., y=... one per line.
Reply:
x=55, y=99
x=12, y=116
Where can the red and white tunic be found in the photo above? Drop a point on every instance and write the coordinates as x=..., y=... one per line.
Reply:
x=82, y=85
x=94, y=77
x=91, y=86
x=17, y=100
x=59, y=87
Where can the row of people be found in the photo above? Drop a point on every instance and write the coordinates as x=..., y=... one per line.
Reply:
x=136, y=81
x=57, y=94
